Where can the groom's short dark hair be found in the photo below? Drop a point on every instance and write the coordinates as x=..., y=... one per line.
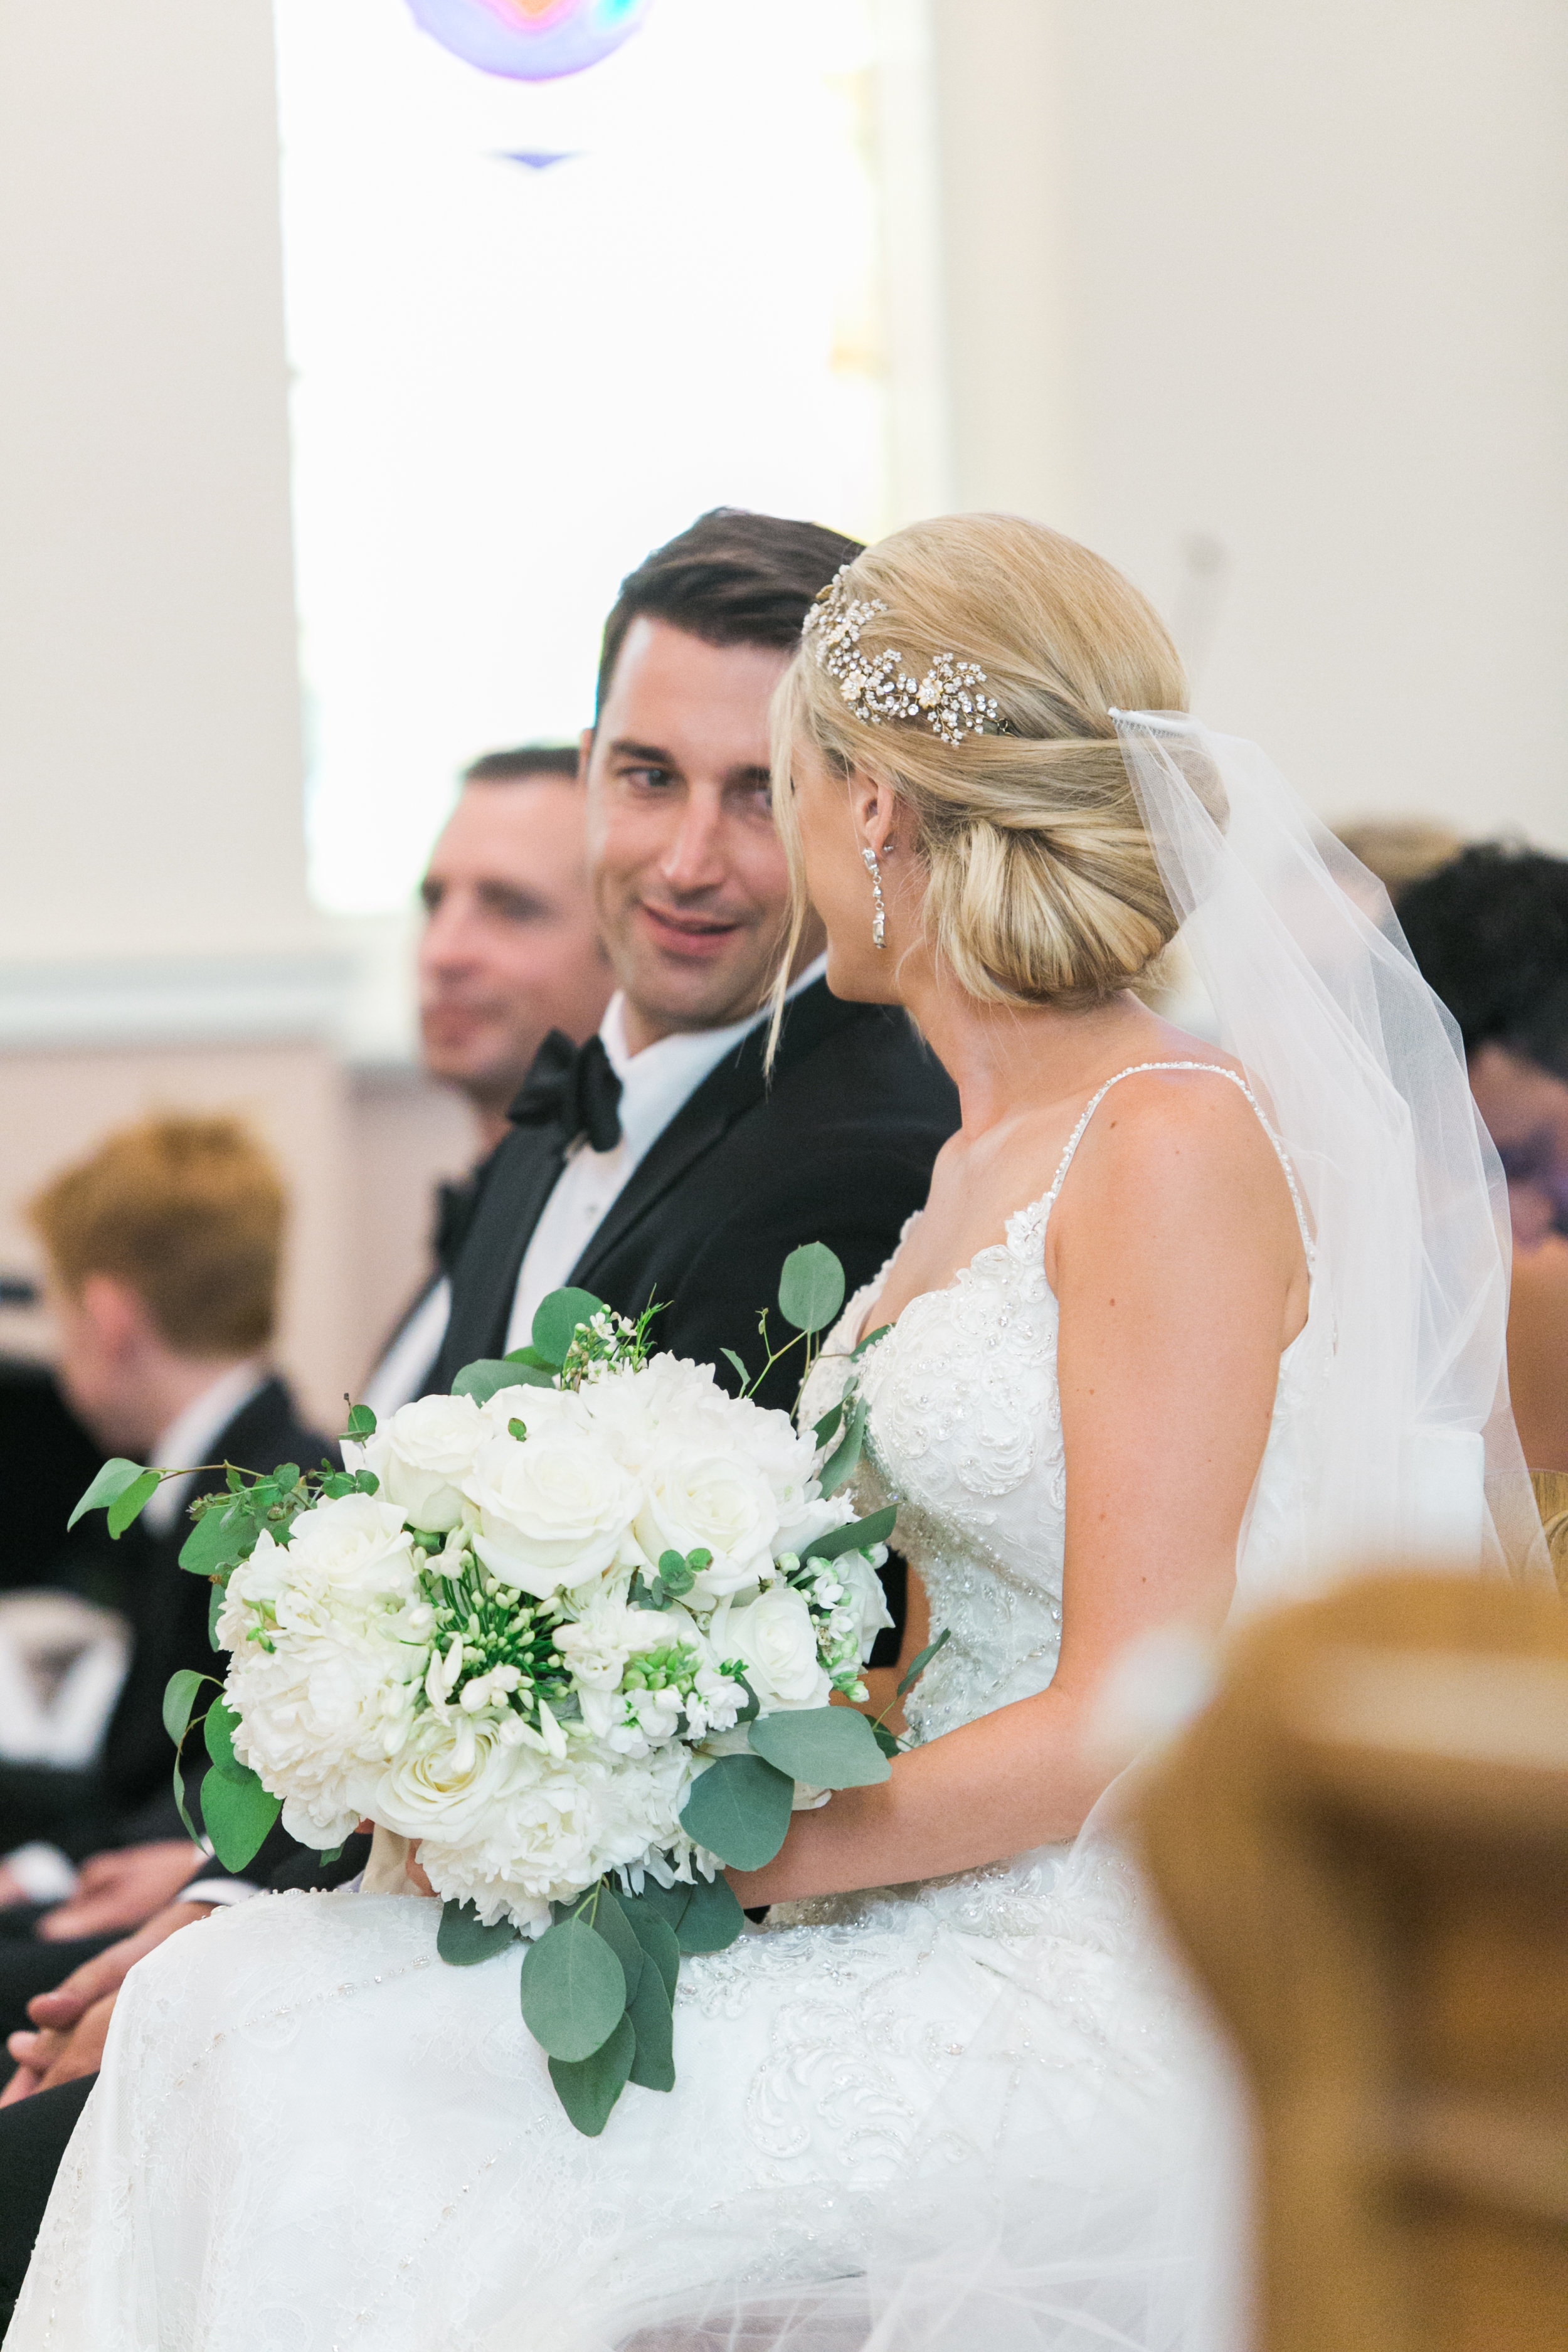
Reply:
x=733, y=579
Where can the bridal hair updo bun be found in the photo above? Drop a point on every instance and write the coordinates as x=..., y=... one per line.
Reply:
x=1042, y=883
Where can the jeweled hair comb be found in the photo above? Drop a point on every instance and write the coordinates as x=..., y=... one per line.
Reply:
x=878, y=687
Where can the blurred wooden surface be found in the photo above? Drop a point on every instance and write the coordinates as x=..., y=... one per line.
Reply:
x=1364, y=1846
x=1551, y=1501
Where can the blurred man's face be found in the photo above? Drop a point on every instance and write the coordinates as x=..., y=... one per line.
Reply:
x=688, y=874
x=103, y=1336
x=511, y=949
x=1526, y=1112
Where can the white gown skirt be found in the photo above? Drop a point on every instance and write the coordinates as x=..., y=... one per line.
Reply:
x=976, y=2110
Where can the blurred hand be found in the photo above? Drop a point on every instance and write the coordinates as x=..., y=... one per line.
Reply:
x=124, y=1888
x=75, y=2017
x=12, y=1890
x=414, y=1870
x=47, y=2060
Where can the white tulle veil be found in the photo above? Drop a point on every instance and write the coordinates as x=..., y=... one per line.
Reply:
x=1313, y=989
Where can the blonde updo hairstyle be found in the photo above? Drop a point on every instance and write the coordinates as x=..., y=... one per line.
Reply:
x=1043, y=885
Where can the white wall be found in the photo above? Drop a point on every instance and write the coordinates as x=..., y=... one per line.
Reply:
x=1289, y=282
x=150, y=755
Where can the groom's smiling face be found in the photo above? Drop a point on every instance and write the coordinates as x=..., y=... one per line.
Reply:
x=689, y=874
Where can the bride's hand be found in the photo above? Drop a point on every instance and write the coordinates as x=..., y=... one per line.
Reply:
x=416, y=1875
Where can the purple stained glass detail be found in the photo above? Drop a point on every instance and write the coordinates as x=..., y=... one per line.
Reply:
x=530, y=40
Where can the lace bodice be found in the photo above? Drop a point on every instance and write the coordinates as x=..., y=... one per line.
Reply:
x=965, y=1434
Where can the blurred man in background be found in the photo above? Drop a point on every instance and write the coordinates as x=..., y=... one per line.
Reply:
x=162, y=1252
x=1489, y=931
x=510, y=951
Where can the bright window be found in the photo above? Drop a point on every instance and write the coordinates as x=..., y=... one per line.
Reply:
x=513, y=376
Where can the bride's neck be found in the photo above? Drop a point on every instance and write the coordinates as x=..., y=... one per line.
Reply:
x=1002, y=1057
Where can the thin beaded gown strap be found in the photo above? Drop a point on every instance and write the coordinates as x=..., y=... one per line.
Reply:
x=1135, y=1069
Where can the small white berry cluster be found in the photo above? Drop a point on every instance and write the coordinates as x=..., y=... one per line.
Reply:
x=878, y=687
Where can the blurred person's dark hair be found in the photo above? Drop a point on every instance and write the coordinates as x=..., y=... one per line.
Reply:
x=1489, y=931
x=734, y=578
x=1400, y=850
x=528, y=759
x=189, y=1212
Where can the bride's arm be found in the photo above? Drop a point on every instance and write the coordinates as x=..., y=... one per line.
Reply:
x=1179, y=1270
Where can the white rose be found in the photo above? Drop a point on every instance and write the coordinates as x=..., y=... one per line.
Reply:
x=422, y=1454
x=538, y=1409
x=451, y=1771
x=700, y=1498
x=553, y=1510
x=775, y=1641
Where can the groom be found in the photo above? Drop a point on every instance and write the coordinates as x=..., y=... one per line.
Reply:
x=662, y=1161
x=659, y=1160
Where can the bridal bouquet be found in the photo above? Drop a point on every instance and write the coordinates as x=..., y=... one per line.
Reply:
x=576, y=1628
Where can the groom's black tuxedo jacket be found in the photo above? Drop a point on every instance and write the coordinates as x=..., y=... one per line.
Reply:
x=837, y=1147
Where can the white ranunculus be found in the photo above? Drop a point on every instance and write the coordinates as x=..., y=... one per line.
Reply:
x=703, y=1498
x=597, y=1645
x=814, y=1515
x=422, y=1454
x=553, y=1510
x=775, y=1640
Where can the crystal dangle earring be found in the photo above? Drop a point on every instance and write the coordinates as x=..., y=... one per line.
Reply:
x=879, y=918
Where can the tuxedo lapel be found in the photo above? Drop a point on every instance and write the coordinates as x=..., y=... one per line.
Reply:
x=740, y=1082
x=522, y=1180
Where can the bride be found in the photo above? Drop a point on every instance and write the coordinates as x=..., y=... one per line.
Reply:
x=1183, y=1328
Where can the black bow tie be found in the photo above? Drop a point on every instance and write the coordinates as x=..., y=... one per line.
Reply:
x=573, y=1087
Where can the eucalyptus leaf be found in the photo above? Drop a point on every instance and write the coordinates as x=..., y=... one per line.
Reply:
x=362, y=1422
x=644, y=1595
x=658, y=1938
x=532, y=1359
x=481, y=1381
x=845, y=1459
x=666, y=1903
x=588, y=2087
x=829, y=1425
x=556, y=1320
x=220, y=1726
x=607, y=1920
x=128, y=1505
x=108, y=1485
x=179, y=1698
x=237, y=1812
x=712, y=1920
x=739, y=1809
x=463, y=1940
x=871, y=1340
x=652, y=2020
x=573, y=1992
x=827, y=1746
x=888, y=1742
x=219, y=1540
x=924, y=1659
x=811, y=1288
x=860, y=1534
x=744, y=1375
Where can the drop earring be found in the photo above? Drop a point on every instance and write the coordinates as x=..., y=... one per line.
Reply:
x=879, y=918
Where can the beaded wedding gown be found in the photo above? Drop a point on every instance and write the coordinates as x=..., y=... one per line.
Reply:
x=972, y=2109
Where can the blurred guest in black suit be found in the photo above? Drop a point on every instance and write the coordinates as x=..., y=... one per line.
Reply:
x=1489, y=931
x=511, y=951
x=163, y=1255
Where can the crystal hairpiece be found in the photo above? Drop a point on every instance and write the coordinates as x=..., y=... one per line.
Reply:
x=878, y=687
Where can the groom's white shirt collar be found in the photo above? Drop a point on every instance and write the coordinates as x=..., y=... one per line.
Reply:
x=655, y=1085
